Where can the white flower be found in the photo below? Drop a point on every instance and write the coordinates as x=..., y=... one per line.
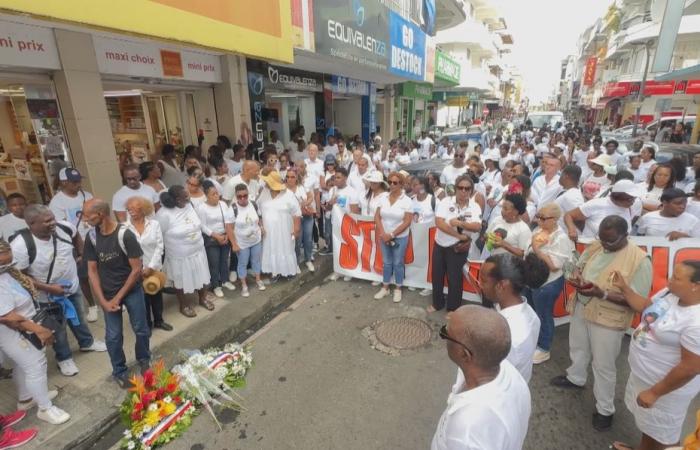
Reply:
x=131, y=445
x=153, y=407
x=127, y=434
x=167, y=399
x=146, y=429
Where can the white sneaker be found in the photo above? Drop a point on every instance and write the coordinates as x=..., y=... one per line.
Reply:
x=426, y=293
x=376, y=283
x=233, y=276
x=218, y=292
x=310, y=266
x=68, y=368
x=244, y=292
x=397, y=295
x=540, y=356
x=412, y=289
x=383, y=292
x=92, y=314
x=97, y=346
x=230, y=286
x=26, y=406
x=53, y=415
x=347, y=278
x=334, y=277
x=261, y=285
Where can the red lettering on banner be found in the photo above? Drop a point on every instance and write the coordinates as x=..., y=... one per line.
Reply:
x=659, y=267
x=686, y=254
x=409, y=256
x=431, y=245
x=367, y=229
x=348, y=249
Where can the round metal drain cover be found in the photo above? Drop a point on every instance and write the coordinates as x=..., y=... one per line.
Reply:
x=403, y=333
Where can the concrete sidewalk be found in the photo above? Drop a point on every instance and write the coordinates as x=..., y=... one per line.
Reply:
x=93, y=399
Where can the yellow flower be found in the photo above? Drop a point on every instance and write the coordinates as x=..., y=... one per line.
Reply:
x=152, y=418
x=168, y=408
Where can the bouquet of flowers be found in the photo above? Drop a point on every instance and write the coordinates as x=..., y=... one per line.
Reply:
x=155, y=410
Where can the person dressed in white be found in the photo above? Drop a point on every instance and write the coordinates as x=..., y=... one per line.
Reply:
x=426, y=145
x=661, y=178
x=502, y=280
x=377, y=190
x=648, y=153
x=663, y=357
x=185, y=258
x=347, y=200
x=492, y=174
x=671, y=220
x=489, y=405
x=546, y=187
x=132, y=188
x=13, y=221
x=148, y=233
x=169, y=167
x=17, y=297
x=305, y=188
x=357, y=173
x=281, y=216
x=248, y=176
x=508, y=233
x=314, y=165
x=247, y=238
x=452, y=171
x=331, y=147
x=570, y=197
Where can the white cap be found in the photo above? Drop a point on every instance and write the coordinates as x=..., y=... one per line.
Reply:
x=625, y=187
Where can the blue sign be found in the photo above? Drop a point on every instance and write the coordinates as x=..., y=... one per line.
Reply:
x=407, y=48
x=345, y=85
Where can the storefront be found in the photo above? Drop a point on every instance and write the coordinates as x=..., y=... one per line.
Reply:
x=412, y=107
x=352, y=109
x=33, y=146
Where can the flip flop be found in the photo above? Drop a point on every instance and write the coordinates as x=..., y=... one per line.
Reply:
x=430, y=309
x=187, y=311
x=617, y=445
x=206, y=304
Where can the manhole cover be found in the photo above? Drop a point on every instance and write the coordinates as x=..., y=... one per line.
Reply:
x=403, y=333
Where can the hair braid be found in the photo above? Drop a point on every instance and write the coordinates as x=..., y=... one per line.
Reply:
x=15, y=273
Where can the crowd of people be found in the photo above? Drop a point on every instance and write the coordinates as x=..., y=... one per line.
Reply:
x=233, y=218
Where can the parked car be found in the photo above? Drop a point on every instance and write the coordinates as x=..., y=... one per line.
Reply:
x=686, y=152
x=422, y=168
x=458, y=134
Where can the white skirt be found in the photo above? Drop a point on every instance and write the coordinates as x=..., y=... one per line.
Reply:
x=663, y=421
x=188, y=273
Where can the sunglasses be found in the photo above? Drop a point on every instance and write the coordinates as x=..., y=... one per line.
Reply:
x=242, y=196
x=538, y=217
x=394, y=182
x=464, y=188
x=457, y=155
x=445, y=336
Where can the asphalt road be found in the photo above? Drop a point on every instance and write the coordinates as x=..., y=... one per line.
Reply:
x=318, y=384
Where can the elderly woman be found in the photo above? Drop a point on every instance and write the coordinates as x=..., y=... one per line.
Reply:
x=217, y=223
x=185, y=258
x=150, y=237
x=664, y=356
x=281, y=215
x=17, y=299
x=392, y=220
x=551, y=244
x=246, y=239
x=307, y=203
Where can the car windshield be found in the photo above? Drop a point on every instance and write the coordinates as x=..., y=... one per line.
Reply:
x=540, y=120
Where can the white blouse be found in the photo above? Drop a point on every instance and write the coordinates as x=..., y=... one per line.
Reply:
x=214, y=218
x=151, y=242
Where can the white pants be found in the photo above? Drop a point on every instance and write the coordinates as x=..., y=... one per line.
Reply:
x=590, y=341
x=29, y=372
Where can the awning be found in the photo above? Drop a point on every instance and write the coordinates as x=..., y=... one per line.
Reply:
x=689, y=73
x=604, y=102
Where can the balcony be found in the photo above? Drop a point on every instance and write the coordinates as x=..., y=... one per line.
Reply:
x=645, y=31
x=472, y=34
x=475, y=79
x=449, y=14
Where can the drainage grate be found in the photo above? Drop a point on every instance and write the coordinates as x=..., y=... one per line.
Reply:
x=402, y=333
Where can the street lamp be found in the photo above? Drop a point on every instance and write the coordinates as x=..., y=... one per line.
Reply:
x=640, y=94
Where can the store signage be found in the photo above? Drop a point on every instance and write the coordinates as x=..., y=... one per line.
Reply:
x=589, y=72
x=430, y=50
x=659, y=87
x=293, y=80
x=369, y=111
x=356, y=31
x=145, y=59
x=417, y=90
x=407, y=48
x=652, y=88
x=345, y=85
x=254, y=27
x=446, y=68
x=256, y=94
x=28, y=46
x=692, y=87
x=303, y=24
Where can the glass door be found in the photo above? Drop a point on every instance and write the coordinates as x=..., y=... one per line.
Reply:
x=164, y=116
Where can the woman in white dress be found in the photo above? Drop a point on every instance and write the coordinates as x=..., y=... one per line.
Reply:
x=296, y=177
x=281, y=216
x=377, y=190
x=185, y=259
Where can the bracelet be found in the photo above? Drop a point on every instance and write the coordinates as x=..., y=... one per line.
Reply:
x=605, y=294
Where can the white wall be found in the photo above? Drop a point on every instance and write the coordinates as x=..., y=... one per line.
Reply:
x=347, y=115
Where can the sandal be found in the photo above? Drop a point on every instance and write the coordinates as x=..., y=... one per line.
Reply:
x=430, y=309
x=206, y=304
x=187, y=311
x=617, y=445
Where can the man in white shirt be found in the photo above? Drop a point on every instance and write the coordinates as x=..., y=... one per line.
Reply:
x=570, y=197
x=13, y=221
x=274, y=140
x=458, y=167
x=616, y=159
x=314, y=165
x=45, y=253
x=132, y=188
x=426, y=145
x=332, y=147
x=248, y=176
x=489, y=406
x=361, y=166
x=546, y=187
x=235, y=163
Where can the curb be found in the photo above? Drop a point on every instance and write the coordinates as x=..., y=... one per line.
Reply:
x=220, y=328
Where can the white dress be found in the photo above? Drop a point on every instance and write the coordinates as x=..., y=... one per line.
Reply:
x=185, y=258
x=278, y=253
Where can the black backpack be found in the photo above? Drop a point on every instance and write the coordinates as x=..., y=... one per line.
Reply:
x=235, y=208
x=31, y=245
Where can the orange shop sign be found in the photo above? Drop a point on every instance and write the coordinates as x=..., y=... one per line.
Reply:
x=589, y=73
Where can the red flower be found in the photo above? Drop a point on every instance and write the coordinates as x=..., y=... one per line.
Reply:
x=148, y=397
x=172, y=387
x=135, y=416
x=177, y=399
x=138, y=407
x=159, y=393
x=148, y=378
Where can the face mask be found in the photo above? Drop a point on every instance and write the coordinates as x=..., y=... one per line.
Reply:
x=5, y=267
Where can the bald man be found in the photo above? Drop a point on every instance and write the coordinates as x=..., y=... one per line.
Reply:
x=248, y=176
x=489, y=406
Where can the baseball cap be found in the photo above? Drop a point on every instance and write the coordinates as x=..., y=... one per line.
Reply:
x=625, y=187
x=329, y=159
x=69, y=174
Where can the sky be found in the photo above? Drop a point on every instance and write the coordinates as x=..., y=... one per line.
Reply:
x=544, y=33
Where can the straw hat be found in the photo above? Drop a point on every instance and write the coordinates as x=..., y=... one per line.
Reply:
x=153, y=284
x=274, y=181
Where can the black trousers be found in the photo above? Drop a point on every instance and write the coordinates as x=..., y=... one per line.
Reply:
x=154, y=308
x=447, y=262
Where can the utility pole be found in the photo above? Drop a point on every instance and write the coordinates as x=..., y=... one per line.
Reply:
x=640, y=94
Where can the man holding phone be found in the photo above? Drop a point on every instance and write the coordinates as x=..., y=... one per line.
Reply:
x=600, y=314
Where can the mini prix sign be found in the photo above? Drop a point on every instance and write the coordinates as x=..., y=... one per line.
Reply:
x=28, y=46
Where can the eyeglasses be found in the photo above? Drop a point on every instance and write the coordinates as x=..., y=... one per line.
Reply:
x=133, y=178
x=538, y=217
x=445, y=336
x=394, y=182
x=458, y=155
x=464, y=188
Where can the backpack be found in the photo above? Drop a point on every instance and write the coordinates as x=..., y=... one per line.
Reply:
x=31, y=245
x=235, y=209
x=92, y=234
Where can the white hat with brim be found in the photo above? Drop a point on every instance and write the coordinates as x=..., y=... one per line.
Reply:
x=602, y=160
x=374, y=177
x=625, y=187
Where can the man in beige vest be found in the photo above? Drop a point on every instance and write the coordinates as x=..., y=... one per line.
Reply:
x=601, y=315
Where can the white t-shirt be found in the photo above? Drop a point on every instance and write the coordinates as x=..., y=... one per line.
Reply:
x=448, y=209
x=229, y=188
x=345, y=197
x=581, y=157
x=214, y=218
x=296, y=155
x=640, y=175
x=13, y=297
x=234, y=167
x=425, y=145
x=70, y=208
x=524, y=329
x=64, y=268
x=369, y=206
x=655, y=350
x=330, y=149
x=518, y=234
x=654, y=224
x=403, y=158
x=312, y=183
x=693, y=207
x=314, y=168
x=493, y=416
x=125, y=193
x=652, y=197
x=543, y=192
x=450, y=174
x=599, y=208
x=423, y=210
x=559, y=248
x=10, y=224
x=593, y=185
x=246, y=226
x=568, y=201
x=393, y=215
x=491, y=178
